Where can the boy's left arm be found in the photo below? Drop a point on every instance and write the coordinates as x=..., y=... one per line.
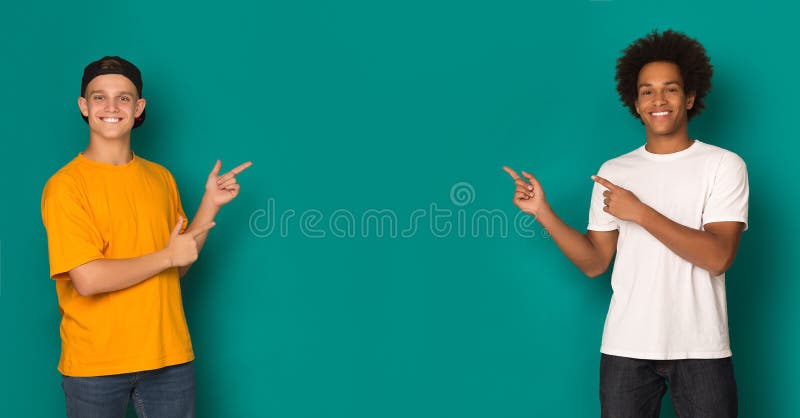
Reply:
x=713, y=249
x=220, y=190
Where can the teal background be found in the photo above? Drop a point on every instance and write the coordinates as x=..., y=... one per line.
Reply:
x=359, y=105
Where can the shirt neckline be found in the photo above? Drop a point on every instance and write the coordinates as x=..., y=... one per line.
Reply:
x=97, y=164
x=671, y=156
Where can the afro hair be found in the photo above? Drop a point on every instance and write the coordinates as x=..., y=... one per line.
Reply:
x=688, y=54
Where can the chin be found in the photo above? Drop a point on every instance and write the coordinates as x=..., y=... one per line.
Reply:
x=663, y=133
x=663, y=129
x=112, y=133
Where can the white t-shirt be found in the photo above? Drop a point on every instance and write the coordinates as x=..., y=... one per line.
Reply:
x=663, y=307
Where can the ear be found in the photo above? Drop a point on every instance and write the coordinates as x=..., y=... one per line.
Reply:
x=82, y=106
x=140, y=104
x=636, y=104
x=690, y=100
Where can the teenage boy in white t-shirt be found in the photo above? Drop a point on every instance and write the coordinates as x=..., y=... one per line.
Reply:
x=673, y=210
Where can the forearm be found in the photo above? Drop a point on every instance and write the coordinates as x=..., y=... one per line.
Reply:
x=577, y=247
x=108, y=275
x=701, y=248
x=205, y=214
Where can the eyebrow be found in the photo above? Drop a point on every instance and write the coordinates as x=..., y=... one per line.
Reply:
x=663, y=84
x=122, y=93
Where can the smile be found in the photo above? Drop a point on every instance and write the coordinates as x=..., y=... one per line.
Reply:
x=111, y=120
x=659, y=114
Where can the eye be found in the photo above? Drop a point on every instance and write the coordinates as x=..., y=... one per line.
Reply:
x=97, y=97
x=647, y=92
x=125, y=99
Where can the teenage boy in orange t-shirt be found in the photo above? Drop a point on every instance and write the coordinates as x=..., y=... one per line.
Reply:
x=119, y=243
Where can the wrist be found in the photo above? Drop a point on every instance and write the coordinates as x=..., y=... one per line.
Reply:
x=544, y=214
x=165, y=256
x=643, y=215
x=208, y=204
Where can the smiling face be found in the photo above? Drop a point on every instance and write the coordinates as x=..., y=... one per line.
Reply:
x=661, y=100
x=111, y=105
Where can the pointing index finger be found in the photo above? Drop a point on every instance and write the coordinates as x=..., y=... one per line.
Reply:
x=608, y=185
x=241, y=167
x=203, y=229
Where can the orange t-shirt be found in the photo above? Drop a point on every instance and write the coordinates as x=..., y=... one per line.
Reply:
x=94, y=210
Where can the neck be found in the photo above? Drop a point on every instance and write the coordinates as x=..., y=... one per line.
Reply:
x=115, y=151
x=668, y=144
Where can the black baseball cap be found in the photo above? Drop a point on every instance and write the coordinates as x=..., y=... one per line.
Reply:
x=113, y=65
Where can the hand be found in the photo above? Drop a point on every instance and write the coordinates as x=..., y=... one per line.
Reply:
x=182, y=248
x=529, y=195
x=222, y=189
x=621, y=202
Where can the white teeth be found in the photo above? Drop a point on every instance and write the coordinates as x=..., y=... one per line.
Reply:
x=112, y=120
x=659, y=113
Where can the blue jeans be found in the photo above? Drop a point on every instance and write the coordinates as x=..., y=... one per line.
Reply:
x=161, y=393
x=632, y=388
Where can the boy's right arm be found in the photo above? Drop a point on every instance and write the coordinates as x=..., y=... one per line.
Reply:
x=591, y=252
x=107, y=275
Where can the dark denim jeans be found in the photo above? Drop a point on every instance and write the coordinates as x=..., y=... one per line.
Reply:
x=632, y=388
x=161, y=393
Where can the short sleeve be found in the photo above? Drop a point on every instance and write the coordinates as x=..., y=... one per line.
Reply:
x=600, y=220
x=72, y=237
x=730, y=193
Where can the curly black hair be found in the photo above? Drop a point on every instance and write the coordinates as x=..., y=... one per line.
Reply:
x=688, y=54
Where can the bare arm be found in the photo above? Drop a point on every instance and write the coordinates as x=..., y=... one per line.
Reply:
x=219, y=191
x=713, y=249
x=107, y=275
x=205, y=214
x=591, y=252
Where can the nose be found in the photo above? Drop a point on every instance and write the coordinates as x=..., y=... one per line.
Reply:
x=660, y=97
x=111, y=105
